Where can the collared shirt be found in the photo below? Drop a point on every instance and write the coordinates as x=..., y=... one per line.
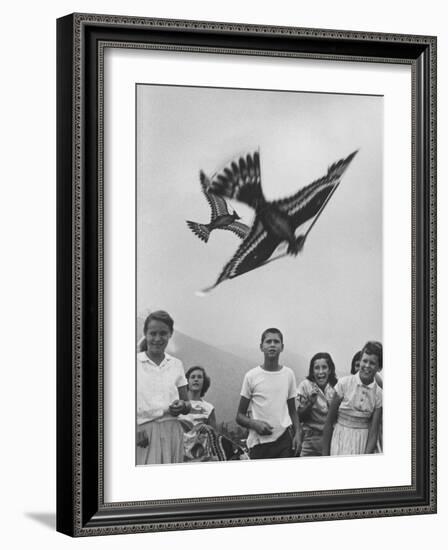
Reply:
x=268, y=392
x=157, y=386
x=358, y=399
x=318, y=412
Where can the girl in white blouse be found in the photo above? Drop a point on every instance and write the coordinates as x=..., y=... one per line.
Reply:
x=355, y=411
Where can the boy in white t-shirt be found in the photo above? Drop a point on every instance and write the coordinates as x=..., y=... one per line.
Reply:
x=270, y=390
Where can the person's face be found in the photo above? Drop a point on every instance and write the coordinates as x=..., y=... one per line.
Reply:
x=196, y=381
x=368, y=367
x=157, y=336
x=272, y=345
x=321, y=372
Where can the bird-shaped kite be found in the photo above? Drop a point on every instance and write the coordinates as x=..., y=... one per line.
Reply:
x=277, y=221
x=221, y=218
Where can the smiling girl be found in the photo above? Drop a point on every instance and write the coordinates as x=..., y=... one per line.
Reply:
x=356, y=408
x=202, y=412
x=161, y=395
x=315, y=394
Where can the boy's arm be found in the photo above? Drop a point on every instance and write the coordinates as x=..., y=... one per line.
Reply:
x=373, y=431
x=297, y=439
x=260, y=426
x=328, y=428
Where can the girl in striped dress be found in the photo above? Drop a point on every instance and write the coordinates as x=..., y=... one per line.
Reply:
x=355, y=412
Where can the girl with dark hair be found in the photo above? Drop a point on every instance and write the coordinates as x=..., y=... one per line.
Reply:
x=315, y=394
x=202, y=412
x=202, y=443
x=356, y=361
x=355, y=411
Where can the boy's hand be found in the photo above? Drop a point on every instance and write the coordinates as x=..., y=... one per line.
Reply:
x=261, y=427
x=142, y=438
x=297, y=444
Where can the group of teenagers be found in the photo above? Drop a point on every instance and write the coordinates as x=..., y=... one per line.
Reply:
x=321, y=416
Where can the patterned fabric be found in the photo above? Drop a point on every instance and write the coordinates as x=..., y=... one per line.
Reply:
x=203, y=444
x=348, y=441
x=359, y=401
x=199, y=414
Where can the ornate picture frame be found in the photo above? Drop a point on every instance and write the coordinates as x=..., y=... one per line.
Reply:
x=81, y=43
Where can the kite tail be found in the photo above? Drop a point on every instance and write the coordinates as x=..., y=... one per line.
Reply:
x=200, y=230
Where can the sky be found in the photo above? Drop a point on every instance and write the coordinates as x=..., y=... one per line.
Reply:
x=329, y=297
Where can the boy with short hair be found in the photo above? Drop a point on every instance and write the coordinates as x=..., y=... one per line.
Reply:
x=270, y=390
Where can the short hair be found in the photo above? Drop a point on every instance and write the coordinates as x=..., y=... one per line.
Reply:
x=274, y=330
x=374, y=348
x=356, y=357
x=206, y=384
x=161, y=316
x=332, y=380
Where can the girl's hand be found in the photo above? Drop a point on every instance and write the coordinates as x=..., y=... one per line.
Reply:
x=177, y=407
x=261, y=427
x=142, y=439
x=313, y=397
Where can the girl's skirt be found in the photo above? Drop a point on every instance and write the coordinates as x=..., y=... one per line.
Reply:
x=349, y=435
x=165, y=442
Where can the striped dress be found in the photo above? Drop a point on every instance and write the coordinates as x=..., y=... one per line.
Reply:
x=358, y=404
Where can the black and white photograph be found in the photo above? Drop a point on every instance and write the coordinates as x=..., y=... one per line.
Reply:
x=259, y=261
x=246, y=242
x=246, y=193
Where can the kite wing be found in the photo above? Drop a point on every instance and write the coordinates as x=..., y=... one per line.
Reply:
x=240, y=229
x=217, y=204
x=256, y=248
x=241, y=180
x=259, y=245
x=308, y=201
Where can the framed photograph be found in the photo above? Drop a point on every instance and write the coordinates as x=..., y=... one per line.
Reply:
x=246, y=272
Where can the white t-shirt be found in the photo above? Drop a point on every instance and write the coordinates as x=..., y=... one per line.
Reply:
x=157, y=386
x=268, y=392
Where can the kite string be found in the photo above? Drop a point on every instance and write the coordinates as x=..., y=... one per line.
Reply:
x=321, y=209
